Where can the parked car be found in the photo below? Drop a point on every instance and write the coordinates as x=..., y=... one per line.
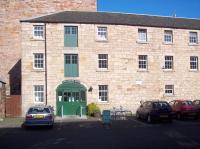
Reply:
x=183, y=109
x=39, y=116
x=197, y=104
x=154, y=110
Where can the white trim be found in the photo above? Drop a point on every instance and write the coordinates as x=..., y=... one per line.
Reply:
x=33, y=30
x=100, y=38
x=35, y=68
x=38, y=102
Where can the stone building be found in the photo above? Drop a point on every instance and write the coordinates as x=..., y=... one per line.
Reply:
x=11, y=12
x=70, y=59
x=2, y=99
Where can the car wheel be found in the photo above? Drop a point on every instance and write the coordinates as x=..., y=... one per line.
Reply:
x=179, y=116
x=137, y=115
x=149, y=119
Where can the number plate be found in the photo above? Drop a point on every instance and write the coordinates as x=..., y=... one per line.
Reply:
x=38, y=116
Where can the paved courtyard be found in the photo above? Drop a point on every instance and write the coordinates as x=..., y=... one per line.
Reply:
x=124, y=134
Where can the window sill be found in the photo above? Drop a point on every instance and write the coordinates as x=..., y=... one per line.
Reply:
x=101, y=40
x=169, y=95
x=37, y=39
x=103, y=102
x=39, y=103
x=38, y=70
x=102, y=70
x=168, y=70
x=142, y=42
x=193, y=70
x=168, y=43
x=193, y=44
x=142, y=70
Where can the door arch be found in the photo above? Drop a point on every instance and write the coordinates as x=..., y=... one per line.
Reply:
x=71, y=98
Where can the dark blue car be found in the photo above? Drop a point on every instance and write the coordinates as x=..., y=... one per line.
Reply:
x=152, y=111
x=39, y=116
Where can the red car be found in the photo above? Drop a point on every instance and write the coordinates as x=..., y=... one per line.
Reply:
x=184, y=108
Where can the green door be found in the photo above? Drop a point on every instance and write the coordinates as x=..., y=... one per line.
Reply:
x=71, y=99
x=71, y=36
x=71, y=65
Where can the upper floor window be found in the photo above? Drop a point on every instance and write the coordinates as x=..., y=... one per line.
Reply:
x=168, y=36
x=39, y=93
x=193, y=38
x=71, y=36
x=101, y=33
x=168, y=62
x=71, y=68
x=142, y=63
x=38, y=31
x=38, y=60
x=142, y=35
x=103, y=93
x=169, y=89
x=193, y=62
x=103, y=60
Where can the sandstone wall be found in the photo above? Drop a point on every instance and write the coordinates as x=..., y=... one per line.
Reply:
x=11, y=11
x=123, y=50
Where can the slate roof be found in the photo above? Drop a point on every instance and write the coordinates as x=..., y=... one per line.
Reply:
x=117, y=19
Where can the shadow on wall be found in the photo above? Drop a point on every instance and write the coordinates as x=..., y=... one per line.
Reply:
x=15, y=79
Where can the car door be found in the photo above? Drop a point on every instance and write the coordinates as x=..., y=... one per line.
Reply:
x=142, y=110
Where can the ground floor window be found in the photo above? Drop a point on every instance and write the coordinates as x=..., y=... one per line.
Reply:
x=39, y=93
x=169, y=89
x=103, y=93
x=194, y=62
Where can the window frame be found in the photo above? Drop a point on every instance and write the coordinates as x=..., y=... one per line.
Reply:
x=100, y=37
x=39, y=92
x=41, y=37
x=168, y=61
x=194, y=67
x=141, y=36
x=103, y=60
x=43, y=60
x=168, y=34
x=169, y=89
x=192, y=38
x=105, y=92
x=143, y=61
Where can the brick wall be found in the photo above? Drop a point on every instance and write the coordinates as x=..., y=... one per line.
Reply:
x=11, y=11
x=2, y=101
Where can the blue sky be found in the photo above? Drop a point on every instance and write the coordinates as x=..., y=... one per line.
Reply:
x=182, y=8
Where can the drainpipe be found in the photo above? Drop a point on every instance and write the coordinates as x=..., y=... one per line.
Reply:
x=45, y=53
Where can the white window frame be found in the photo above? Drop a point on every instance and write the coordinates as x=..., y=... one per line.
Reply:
x=142, y=61
x=142, y=35
x=38, y=59
x=168, y=37
x=102, y=33
x=103, y=60
x=169, y=89
x=104, y=92
x=38, y=29
x=39, y=95
x=194, y=63
x=193, y=37
x=168, y=61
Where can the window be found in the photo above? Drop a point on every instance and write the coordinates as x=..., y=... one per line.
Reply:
x=39, y=93
x=71, y=36
x=169, y=89
x=38, y=60
x=142, y=35
x=38, y=31
x=142, y=61
x=168, y=62
x=103, y=93
x=168, y=36
x=103, y=60
x=193, y=38
x=102, y=33
x=71, y=68
x=194, y=62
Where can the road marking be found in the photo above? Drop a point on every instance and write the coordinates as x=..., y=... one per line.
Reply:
x=59, y=140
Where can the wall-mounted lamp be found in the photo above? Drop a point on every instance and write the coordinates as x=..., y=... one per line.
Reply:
x=90, y=89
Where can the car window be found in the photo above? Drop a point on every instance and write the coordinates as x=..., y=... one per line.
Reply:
x=38, y=110
x=171, y=103
x=197, y=102
x=186, y=103
x=160, y=105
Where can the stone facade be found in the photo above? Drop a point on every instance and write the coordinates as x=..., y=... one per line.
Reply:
x=11, y=12
x=127, y=84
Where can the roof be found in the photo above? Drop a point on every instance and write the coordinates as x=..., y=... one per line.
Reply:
x=117, y=19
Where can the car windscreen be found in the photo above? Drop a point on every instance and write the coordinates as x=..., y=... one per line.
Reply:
x=187, y=103
x=38, y=110
x=160, y=105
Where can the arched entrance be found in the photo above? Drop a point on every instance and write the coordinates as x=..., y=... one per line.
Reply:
x=71, y=98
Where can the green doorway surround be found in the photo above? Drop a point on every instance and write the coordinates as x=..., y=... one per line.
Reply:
x=71, y=98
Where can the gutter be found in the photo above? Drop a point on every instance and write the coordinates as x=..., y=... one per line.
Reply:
x=45, y=53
